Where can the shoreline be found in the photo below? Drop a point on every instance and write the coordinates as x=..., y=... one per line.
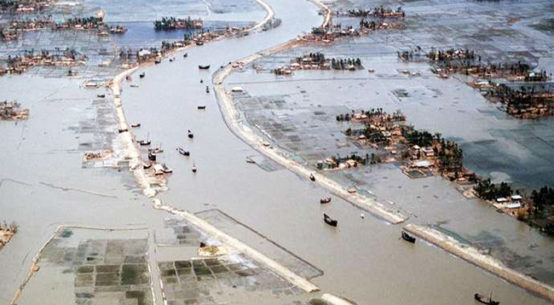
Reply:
x=235, y=123
x=486, y=262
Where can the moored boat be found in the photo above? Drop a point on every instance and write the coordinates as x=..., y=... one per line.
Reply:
x=166, y=169
x=250, y=160
x=312, y=177
x=101, y=95
x=190, y=134
x=407, y=237
x=194, y=169
x=135, y=125
x=325, y=200
x=328, y=220
x=144, y=142
x=185, y=55
x=201, y=107
x=481, y=299
x=122, y=130
x=201, y=67
x=183, y=152
x=147, y=165
x=207, y=89
x=142, y=75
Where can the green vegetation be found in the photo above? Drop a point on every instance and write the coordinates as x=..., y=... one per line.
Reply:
x=490, y=191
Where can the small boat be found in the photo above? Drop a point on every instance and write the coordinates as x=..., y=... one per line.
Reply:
x=194, y=169
x=183, y=152
x=312, y=177
x=199, y=43
x=328, y=220
x=101, y=95
x=158, y=60
x=134, y=86
x=481, y=299
x=122, y=130
x=325, y=200
x=166, y=169
x=207, y=89
x=171, y=60
x=370, y=70
x=144, y=142
x=155, y=150
x=147, y=165
x=201, y=107
x=151, y=157
x=185, y=55
x=128, y=77
x=201, y=81
x=142, y=75
x=201, y=67
x=190, y=134
x=407, y=237
x=250, y=160
x=135, y=125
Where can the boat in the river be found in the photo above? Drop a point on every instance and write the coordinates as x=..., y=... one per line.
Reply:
x=147, y=165
x=481, y=299
x=312, y=177
x=194, y=169
x=183, y=152
x=325, y=200
x=202, y=107
x=158, y=60
x=330, y=221
x=122, y=130
x=101, y=95
x=250, y=160
x=144, y=142
x=190, y=134
x=142, y=75
x=207, y=89
x=134, y=86
x=166, y=169
x=407, y=237
x=155, y=150
x=151, y=157
x=199, y=43
x=185, y=55
x=201, y=67
x=136, y=125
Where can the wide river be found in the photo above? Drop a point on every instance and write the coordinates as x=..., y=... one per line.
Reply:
x=43, y=184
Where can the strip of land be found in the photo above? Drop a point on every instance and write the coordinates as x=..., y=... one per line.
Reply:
x=237, y=125
x=484, y=261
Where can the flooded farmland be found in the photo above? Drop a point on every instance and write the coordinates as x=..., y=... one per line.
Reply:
x=96, y=239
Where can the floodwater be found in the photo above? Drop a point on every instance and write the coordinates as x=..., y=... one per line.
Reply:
x=44, y=185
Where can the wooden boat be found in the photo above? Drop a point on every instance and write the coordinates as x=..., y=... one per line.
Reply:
x=183, y=152
x=250, y=160
x=199, y=43
x=134, y=86
x=201, y=81
x=481, y=299
x=147, y=165
x=190, y=134
x=166, y=169
x=101, y=95
x=407, y=237
x=144, y=142
x=201, y=67
x=328, y=220
x=171, y=60
x=194, y=169
x=142, y=75
x=201, y=107
x=128, y=77
x=155, y=150
x=135, y=125
x=185, y=55
x=122, y=130
x=158, y=60
x=312, y=177
x=151, y=157
x=325, y=200
x=207, y=89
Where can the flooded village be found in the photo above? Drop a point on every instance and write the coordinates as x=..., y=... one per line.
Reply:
x=386, y=152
